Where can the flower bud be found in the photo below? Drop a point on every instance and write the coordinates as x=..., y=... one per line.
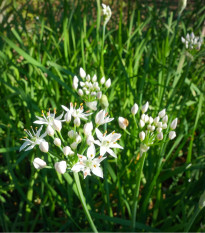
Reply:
x=144, y=148
x=93, y=93
x=75, y=79
x=67, y=151
x=78, y=139
x=159, y=124
x=57, y=141
x=80, y=92
x=142, y=135
x=202, y=201
x=181, y=5
x=77, y=122
x=39, y=163
x=123, y=123
x=88, y=127
x=165, y=119
x=94, y=79
x=174, y=124
x=159, y=129
x=141, y=124
x=74, y=145
x=90, y=140
x=151, y=120
x=172, y=135
x=88, y=78
x=57, y=125
x=104, y=102
x=82, y=84
x=152, y=128
x=160, y=136
x=102, y=80
x=68, y=117
x=156, y=120
x=75, y=85
x=145, y=107
x=146, y=118
x=71, y=134
x=92, y=105
x=99, y=94
x=44, y=146
x=108, y=83
x=61, y=167
x=87, y=92
x=164, y=126
x=82, y=73
x=162, y=113
x=134, y=109
x=49, y=130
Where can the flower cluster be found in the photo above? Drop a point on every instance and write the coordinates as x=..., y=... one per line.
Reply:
x=89, y=88
x=80, y=139
x=191, y=41
x=106, y=13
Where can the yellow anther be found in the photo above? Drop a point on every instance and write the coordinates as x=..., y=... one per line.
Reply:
x=75, y=104
x=113, y=132
x=54, y=110
x=81, y=104
x=42, y=111
x=106, y=113
x=94, y=165
x=87, y=111
x=91, y=155
x=100, y=157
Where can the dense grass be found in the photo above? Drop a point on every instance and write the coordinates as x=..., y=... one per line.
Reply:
x=146, y=61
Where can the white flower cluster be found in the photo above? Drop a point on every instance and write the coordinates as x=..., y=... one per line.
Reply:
x=106, y=13
x=89, y=88
x=191, y=41
x=71, y=154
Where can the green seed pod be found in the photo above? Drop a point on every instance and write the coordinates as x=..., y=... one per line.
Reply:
x=104, y=102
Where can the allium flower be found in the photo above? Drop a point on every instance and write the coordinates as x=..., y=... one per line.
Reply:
x=88, y=127
x=107, y=142
x=67, y=151
x=101, y=118
x=39, y=163
x=145, y=107
x=134, y=109
x=108, y=83
x=172, y=135
x=123, y=122
x=60, y=167
x=35, y=139
x=52, y=122
x=106, y=13
x=174, y=124
x=191, y=41
x=82, y=73
x=89, y=164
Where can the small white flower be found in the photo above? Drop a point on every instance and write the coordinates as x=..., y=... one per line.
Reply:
x=82, y=73
x=144, y=148
x=101, y=118
x=164, y=126
x=162, y=113
x=108, y=83
x=145, y=107
x=172, y=135
x=160, y=136
x=57, y=141
x=39, y=163
x=174, y=124
x=159, y=124
x=134, y=109
x=89, y=164
x=151, y=120
x=141, y=124
x=75, y=79
x=57, y=125
x=61, y=167
x=142, y=135
x=88, y=79
x=159, y=129
x=49, y=130
x=67, y=151
x=107, y=142
x=146, y=118
x=102, y=80
x=106, y=13
x=75, y=85
x=68, y=117
x=152, y=128
x=35, y=139
x=44, y=146
x=88, y=127
x=123, y=122
x=92, y=105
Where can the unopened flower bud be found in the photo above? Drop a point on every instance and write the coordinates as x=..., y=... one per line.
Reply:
x=181, y=5
x=102, y=80
x=67, y=151
x=77, y=122
x=78, y=139
x=174, y=124
x=39, y=163
x=104, y=102
x=99, y=94
x=80, y=92
x=160, y=136
x=82, y=73
x=156, y=120
x=57, y=125
x=87, y=92
x=50, y=131
x=108, y=83
x=92, y=105
x=68, y=117
x=145, y=107
x=164, y=126
x=94, y=79
x=141, y=124
x=151, y=120
x=90, y=140
x=75, y=85
x=88, y=127
x=60, y=167
x=144, y=148
x=71, y=134
x=159, y=129
x=123, y=122
x=57, y=141
x=82, y=84
x=88, y=78
x=159, y=124
x=74, y=145
x=44, y=146
x=142, y=135
x=152, y=128
x=172, y=135
x=134, y=109
x=93, y=93
x=165, y=119
x=146, y=118
x=162, y=113
x=75, y=79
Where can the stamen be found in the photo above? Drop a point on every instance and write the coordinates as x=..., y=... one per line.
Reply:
x=71, y=104
x=113, y=132
x=75, y=104
x=81, y=104
x=100, y=157
x=81, y=108
x=91, y=155
x=94, y=165
x=87, y=111
x=106, y=114
x=54, y=110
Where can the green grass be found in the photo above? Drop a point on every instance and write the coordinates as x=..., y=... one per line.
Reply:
x=146, y=61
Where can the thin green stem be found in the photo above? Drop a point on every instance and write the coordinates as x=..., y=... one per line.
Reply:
x=193, y=217
x=82, y=199
x=139, y=175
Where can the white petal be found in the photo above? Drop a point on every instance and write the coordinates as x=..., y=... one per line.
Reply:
x=99, y=134
x=30, y=147
x=97, y=171
x=59, y=117
x=25, y=144
x=103, y=150
x=40, y=122
x=78, y=167
x=91, y=151
x=111, y=152
x=97, y=142
x=115, y=145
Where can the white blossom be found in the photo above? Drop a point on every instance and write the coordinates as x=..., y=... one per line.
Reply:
x=174, y=124
x=144, y=148
x=145, y=107
x=134, y=109
x=102, y=80
x=57, y=141
x=82, y=73
x=88, y=127
x=43, y=146
x=92, y=105
x=67, y=151
x=106, y=13
x=142, y=135
x=60, y=167
x=141, y=124
x=101, y=118
x=172, y=135
x=108, y=83
x=123, y=122
x=162, y=113
x=160, y=136
x=39, y=163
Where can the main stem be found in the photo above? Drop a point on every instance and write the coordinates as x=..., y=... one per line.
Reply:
x=82, y=199
x=139, y=175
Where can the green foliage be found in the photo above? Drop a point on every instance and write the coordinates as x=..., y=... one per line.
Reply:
x=43, y=44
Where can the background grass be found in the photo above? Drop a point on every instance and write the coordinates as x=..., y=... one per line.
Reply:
x=43, y=44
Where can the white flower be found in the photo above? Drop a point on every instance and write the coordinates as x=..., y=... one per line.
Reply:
x=90, y=140
x=88, y=127
x=57, y=141
x=57, y=125
x=61, y=167
x=162, y=113
x=89, y=164
x=172, y=135
x=68, y=117
x=108, y=83
x=39, y=163
x=88, y=79
x=159, y=130
x=67, y=151
x=142, y=135
x=141, y=124
x=101, y=118
x=44, y=146
x=102, y=80
x=49, y=130
x=92, y=105
x=77, y=121
x=174, y=124
x=144, y=148
x=75, y=79
x=123, y=122
x=145, y=107
x=75, y=85
x=151, y=120
x=160, y=136
x=134, y=109
x=82, y=73
x=106, y=13
x=74, y=145
x=164, y=126
x=107, y=142
x=35, y=139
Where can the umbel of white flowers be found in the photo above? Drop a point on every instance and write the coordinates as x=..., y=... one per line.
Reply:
x=89, y=88
x=152, y=129
x=192, y=42
x=106, y=13
x=68, y=155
